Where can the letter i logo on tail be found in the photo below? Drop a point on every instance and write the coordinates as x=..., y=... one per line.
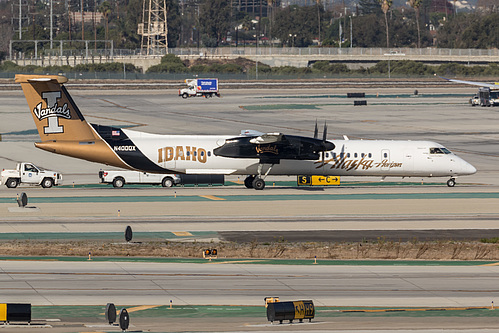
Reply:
x=56, y=116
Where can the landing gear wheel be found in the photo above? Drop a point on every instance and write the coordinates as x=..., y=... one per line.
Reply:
x=248, y=182
x=11, y=183
x=167, y=182
x=47, y=182
x=118, y=182
x=451, y=182
x=258, y=184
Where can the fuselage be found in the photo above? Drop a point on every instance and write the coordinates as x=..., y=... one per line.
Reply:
x=194, y=154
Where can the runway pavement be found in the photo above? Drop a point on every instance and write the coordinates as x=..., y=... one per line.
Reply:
x=334, y=290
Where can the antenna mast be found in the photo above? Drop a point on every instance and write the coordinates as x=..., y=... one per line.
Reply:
x=154, y=28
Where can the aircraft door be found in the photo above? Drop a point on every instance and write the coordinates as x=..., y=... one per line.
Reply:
x=385, y=159
x=408, y=161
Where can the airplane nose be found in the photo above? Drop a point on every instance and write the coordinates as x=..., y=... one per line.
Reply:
x=468, y=169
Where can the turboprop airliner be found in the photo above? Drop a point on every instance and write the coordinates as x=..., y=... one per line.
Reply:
x=64, y=130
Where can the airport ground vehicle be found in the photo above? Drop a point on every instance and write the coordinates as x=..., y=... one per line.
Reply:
x=200, y=87
x=28, y=173
x=475, y=100
x=488, y=97
x=121, y=177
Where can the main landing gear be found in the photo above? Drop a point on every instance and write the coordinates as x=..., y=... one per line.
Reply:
x=451, y=182
x=257, y=182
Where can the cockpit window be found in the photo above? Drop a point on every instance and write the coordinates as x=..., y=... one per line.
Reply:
x=437, y=150
x=446, y=151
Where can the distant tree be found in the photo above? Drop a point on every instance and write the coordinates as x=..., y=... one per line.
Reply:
x=105, y=9
x=214, y=18
x=470, y=30
x=385, y=7
x=368, y=31
x=298, y=26
x=174, y=22
x=416, y=4
x=367, y=7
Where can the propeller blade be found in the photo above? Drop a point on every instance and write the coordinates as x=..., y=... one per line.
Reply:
x=324, y=135
x=316, y=130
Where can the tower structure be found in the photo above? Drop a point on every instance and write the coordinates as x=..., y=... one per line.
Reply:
x=154, y=29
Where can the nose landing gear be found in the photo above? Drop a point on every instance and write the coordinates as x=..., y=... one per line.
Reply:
x=451, y=182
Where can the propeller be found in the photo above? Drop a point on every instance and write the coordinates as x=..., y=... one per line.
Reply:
x=324, y=135
x=316, y=130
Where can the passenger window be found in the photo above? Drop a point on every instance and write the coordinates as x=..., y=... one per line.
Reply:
x=370, y=155
x=202, y=153
x=327, y=155
x=362, y=155
x=195, y=153
x=209, y=153
x=385, y=155
x=348, y=154
x=355, y=155
x=334, y=155
x=188, y=153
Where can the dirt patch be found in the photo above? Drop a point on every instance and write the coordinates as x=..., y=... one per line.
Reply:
x=447, y=250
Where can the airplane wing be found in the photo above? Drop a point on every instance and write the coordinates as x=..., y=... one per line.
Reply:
x=473, y=83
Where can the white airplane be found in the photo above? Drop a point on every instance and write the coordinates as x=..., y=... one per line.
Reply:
x=63, y=130
x=494, y=85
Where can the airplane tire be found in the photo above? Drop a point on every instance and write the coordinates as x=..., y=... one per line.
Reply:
x=451, y=182
x=258, y=184
x=47, y=182
x=248, y=182
x=167, y=182
x=11, y=183
x=118, y=182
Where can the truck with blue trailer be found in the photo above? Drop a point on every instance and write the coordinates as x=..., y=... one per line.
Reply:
x=200, y=87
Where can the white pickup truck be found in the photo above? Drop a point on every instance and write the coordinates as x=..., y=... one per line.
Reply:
x=121, y=177
x=28, y=173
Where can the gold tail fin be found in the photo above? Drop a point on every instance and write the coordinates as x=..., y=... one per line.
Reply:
x=55, y=114
x=60, y=124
